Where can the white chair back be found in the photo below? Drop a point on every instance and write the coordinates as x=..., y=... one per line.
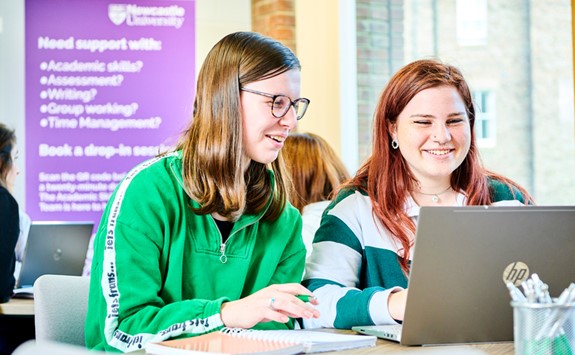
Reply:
x=60, y=305
x=32, y=347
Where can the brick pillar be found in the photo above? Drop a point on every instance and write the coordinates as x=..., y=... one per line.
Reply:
x=379, y=25
x=276, y=19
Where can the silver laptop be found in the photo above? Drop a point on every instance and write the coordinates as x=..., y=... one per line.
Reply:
x=54, y=248
x=462, y=259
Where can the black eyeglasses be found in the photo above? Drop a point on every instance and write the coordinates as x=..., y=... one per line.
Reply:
x=281, y=104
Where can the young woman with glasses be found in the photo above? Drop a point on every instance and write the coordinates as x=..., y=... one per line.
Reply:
x=424, y=154
x=203, y=237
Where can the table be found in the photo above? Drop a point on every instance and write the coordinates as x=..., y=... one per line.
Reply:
x=18, y=307
x=25, y=307
x=390, y=347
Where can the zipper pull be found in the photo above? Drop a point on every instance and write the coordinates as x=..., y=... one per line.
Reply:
x=223, y=257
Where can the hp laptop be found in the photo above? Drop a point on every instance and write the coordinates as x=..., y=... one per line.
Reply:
x=462, y=259
x=54, y=248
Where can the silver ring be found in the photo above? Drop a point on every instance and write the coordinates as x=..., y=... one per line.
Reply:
x=272, y=300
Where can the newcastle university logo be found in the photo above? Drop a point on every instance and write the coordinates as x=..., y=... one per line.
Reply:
x=155, y=16
x=117, y=13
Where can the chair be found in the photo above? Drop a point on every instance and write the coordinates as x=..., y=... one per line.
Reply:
x=60, y=305
x=46, y=347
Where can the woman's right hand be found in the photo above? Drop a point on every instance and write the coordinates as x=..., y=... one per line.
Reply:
x=273, y=303
x=396, y=304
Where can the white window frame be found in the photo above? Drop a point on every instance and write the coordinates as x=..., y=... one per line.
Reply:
x=471, y=22
x=485, y=118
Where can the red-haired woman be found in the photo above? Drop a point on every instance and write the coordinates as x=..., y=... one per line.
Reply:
x=424, y=154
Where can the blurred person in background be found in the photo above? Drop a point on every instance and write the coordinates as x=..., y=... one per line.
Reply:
x=316, y=171
x=14, y=329
x=9, y=212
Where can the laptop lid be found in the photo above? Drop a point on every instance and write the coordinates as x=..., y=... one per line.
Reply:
x=54, y=248
x=462, y=258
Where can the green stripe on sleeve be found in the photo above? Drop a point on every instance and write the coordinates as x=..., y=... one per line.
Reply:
x=314, y=284
x=353, y=308
x=333, y=229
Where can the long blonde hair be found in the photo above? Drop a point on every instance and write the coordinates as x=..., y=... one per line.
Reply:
x=315, y=169
x=213, y=169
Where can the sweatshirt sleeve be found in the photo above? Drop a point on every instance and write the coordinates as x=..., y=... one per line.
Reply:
x=337, y=270
x=126, y=310
x=128, y=302
x=157, y=271
x=289, y=268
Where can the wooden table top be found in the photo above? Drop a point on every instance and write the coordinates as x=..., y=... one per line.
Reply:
x=18, y=306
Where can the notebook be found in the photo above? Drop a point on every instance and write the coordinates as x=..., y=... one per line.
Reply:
x=53, y=248
x=462, y=259
x=276, y=342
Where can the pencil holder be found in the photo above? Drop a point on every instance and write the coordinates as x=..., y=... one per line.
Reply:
x=543, y=329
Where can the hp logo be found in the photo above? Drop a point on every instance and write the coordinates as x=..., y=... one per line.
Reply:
x=516, y=273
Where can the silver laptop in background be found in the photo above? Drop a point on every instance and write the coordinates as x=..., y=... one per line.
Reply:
x=54, y=248
x=462, y=259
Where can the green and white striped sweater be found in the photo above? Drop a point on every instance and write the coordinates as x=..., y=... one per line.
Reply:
x=354, y=264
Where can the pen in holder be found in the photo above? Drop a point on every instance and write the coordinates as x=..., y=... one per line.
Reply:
x=544, y=329
x=542, y=326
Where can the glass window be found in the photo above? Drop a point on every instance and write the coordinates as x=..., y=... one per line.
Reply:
x=485, y=124
x=471, y=20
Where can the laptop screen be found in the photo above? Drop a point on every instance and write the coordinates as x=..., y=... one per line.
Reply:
x=54, y=248
x=462, y=259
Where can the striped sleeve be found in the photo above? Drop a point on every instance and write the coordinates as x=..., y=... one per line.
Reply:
x=334, y=269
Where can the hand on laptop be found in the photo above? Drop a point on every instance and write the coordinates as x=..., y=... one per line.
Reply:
x=396, y=304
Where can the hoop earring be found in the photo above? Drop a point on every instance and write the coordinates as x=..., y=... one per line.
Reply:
x=394, y=144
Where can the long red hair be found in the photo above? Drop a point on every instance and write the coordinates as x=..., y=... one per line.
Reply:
x=314, y=167
x=385, y=175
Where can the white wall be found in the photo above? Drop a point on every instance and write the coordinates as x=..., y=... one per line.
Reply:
x=326, y=48
x=214, y=19
x=12, y=78
x=217, y=18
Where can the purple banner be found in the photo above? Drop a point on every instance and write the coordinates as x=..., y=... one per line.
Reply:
x=108, y=85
